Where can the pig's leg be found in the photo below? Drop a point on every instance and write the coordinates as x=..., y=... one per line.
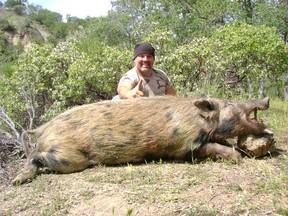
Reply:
x=28, y=173
x=34, y=161
x=216, y=151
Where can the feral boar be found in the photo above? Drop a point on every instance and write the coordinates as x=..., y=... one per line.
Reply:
x=115, y=132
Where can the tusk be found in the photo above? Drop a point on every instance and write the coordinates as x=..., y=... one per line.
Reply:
x=267, y=131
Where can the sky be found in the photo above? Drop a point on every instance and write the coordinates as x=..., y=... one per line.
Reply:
x=80, y=8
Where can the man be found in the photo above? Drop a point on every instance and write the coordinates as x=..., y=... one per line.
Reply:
x=143, y=80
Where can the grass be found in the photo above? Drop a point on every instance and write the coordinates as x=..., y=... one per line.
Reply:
x=200, y=189
x=277, y=116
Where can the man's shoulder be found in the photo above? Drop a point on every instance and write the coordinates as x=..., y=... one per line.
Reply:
x=130, y=76
x=131, y=72
x=160, y=72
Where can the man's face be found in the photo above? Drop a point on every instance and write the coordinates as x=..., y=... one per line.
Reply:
x=144, y=63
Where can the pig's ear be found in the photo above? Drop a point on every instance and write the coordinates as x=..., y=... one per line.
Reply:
x=207, y=108
x=205, y=105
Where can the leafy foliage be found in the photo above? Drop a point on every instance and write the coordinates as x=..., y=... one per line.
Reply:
x=254, y=58
x=237, y=59
x=19, y=9
x=5, y=25
x=52, y=79
x=14, y=3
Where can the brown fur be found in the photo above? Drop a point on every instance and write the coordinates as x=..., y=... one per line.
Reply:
x=115, y=132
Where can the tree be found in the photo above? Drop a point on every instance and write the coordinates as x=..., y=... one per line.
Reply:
x=19, y=9
x=273, y=14
x=108, y=30
x=33, y=9
x=13, y=3
x=47, y=18
x=53, y=22
x=238, y=59
x=254, y=55
x=189, y=19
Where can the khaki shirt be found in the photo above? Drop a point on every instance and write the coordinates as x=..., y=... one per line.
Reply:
x=154, y=85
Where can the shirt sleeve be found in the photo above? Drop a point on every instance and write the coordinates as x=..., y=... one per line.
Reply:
x=129, y=77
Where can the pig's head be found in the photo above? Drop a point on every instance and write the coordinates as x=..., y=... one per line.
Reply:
x=240, y=119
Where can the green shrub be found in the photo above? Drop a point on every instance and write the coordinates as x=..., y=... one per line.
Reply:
x=5, y=25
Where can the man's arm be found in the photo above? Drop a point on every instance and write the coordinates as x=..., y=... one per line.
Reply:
x=171, y=91
x=127, y=90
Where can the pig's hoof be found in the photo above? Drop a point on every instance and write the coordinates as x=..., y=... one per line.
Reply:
x=21, y=179
x=17, y=181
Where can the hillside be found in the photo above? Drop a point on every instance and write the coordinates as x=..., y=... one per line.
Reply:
x=21, y=29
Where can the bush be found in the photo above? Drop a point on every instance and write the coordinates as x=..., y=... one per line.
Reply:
x=19, y=10
x=6, y=26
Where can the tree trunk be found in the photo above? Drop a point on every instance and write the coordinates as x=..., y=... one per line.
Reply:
x=261, y=86
x=286, y=89
x=250, y=86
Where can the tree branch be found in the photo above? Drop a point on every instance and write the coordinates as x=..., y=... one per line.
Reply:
x=4, y=117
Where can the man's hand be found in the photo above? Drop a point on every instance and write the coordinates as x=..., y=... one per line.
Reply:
x=126, y=90
x=136, y=91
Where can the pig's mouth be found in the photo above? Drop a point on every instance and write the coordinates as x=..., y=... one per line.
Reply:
x=251, y=116
x=252, y=124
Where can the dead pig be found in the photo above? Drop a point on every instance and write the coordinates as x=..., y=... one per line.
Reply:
x=115, y=132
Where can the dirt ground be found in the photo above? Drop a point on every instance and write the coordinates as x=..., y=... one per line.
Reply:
x=254, y=187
